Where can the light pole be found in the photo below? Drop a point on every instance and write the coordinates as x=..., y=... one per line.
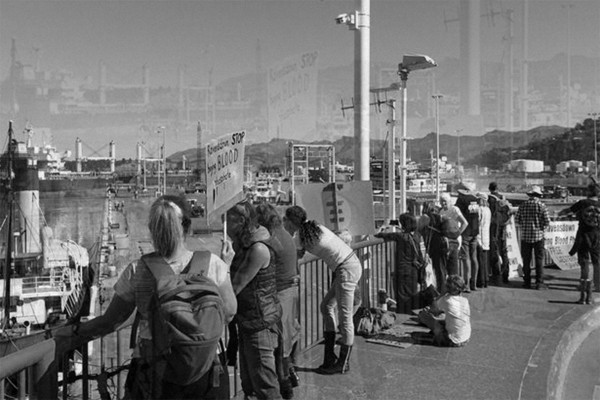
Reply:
x=409, y=63
x=360, y=22
x=437, y=98
x=595, y=115
x=458, y=131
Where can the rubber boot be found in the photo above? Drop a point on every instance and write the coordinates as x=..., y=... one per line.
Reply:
x=582, y=291
x=294, y=378
x=342, y=365
x=329, y=357
x=588, y=292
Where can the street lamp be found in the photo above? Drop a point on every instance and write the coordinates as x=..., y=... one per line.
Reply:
x=458, y=131
x=437, y=98
x=410, y=62
x=595, y=115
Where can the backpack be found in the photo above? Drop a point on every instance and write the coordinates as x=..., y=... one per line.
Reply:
x=590, y=216
x=186, y=318
x=501, y=214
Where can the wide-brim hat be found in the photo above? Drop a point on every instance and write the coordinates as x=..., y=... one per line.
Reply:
x=465, y=188
x=535, y=191
x=482, y=195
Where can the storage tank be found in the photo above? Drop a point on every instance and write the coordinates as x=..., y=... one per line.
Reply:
x=529, y=166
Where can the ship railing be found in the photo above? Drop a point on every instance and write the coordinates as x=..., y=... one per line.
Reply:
x=30, y=373
x=110, y=354
x=43, y=285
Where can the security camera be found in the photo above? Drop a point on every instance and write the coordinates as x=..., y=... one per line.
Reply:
x=342, y=19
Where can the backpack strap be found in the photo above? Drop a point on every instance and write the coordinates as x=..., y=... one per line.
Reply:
x=158, y=268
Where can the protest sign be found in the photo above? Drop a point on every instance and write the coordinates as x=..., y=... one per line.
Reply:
x=515, y=261
x=292, y=97
x=224, y=172
x=558, y=240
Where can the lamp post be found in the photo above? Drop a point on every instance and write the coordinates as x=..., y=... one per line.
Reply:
x=595, y=115
x=360, y=22
x=410, y=62
x=458, y=131
x=437, y=98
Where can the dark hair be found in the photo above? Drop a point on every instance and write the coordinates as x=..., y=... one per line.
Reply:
x=308, y=231
x=169, y=220
x=455, y=284
x=493, y=186
x=245, y=210
x=268, y=216
x=408, y=222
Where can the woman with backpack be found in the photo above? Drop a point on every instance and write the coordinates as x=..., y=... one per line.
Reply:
x=169, y=224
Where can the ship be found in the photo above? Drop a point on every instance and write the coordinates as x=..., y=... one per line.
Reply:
x=44, y=280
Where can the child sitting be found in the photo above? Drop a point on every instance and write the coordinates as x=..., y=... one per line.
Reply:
x=450, y=315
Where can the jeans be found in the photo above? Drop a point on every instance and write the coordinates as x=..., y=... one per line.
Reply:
x=452, y=261
x=538, y=249
x=470, y=264
x=482, y=278
x=257, y=363
x=498, y=259
x=341, y=296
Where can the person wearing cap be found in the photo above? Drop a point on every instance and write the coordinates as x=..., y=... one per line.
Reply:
x=483, y=242
x=532, y=218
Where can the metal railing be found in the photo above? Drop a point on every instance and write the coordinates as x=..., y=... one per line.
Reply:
x=39, y=362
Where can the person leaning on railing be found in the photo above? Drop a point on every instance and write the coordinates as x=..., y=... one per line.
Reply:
x=169, y=224
x=340, y=258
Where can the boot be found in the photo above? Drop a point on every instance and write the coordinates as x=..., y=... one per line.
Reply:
x=342, y=365
x=582, y=291
x=294, y=378
x=588, y=292
x=286, y=390
x=329, y=357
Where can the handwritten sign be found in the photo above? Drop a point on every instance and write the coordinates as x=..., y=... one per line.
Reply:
x=558, y=240
x=224, y=172
x=515, y=261
x=292, y=97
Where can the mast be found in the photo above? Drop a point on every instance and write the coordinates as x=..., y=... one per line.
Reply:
x=9, y=265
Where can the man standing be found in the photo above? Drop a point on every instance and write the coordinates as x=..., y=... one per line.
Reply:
x=587, y=240
x=498, y=257
x=532, y=217
x=468, y=204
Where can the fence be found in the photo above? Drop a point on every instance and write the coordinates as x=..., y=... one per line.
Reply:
x=376, y=257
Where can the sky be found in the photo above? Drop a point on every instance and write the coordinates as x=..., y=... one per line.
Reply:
x=223, y=34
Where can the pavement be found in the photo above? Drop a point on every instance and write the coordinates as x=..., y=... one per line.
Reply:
x=525, y=344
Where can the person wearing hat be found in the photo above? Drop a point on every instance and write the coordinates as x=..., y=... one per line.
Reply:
x=532, y=218
x=498, y=255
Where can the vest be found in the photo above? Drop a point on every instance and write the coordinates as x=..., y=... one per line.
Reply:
x=258, y=306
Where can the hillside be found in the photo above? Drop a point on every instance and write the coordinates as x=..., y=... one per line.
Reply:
x=273, y=153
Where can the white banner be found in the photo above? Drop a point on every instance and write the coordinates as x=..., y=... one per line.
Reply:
x=224, y=172
x=515, y=261
x=292, y=97
x=558, y=240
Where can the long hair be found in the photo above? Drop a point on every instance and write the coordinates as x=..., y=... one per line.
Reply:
x=168, y=222
x=408, y=222
x=308, y=231
x=245, y=210
x=268, y=216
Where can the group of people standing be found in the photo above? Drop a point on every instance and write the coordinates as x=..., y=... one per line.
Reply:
x=257, y=279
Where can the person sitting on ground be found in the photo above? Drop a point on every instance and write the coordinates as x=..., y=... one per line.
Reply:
x=449, y=317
